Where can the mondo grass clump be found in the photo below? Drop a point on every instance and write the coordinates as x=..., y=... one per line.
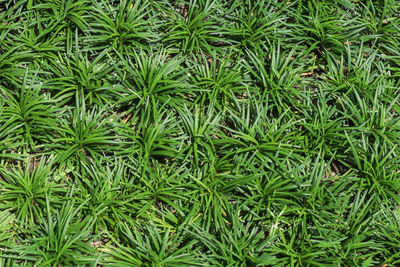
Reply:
x=199, y=133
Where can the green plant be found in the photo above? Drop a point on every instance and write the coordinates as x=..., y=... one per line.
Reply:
x=60, y=239
x=193, y=28
x=127, y=25
x=24, y=189
x=199, y=132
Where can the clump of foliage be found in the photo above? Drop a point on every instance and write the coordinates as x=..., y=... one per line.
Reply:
x=199, y=133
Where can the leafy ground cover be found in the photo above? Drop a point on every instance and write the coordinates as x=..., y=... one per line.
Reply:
x=199, y=133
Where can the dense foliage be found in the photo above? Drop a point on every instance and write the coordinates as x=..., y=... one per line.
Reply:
x=199, y=133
